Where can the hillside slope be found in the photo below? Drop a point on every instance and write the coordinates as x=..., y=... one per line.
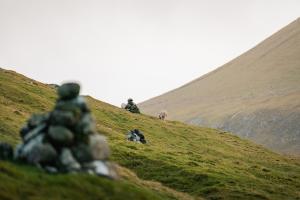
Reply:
x=19, y=98
x=255, y=95
x=199, y=161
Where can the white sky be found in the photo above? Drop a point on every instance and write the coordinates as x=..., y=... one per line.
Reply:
x=132, y=48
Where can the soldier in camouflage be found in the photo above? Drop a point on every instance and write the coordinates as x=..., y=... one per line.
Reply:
x=132, y=107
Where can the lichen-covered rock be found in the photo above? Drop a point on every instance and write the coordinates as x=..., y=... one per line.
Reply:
x=37, y=119
x=82, y=152
x=63, y=118
x=6, y=151
x=68, y=162
x=74, y=105
x=85, y=127
x=99, y=147
x=60, y=136
x=24, y=130
x=68, y=91
x=23, y=150
x=34, y=132
x=42, y=154
x=102, y=168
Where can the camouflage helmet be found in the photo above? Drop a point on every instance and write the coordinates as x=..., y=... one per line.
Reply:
x=130, y=99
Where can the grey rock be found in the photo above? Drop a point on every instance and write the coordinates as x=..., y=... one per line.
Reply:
x=35, y=151
x=18, y=151
x=70, y=107
x=68, y=91
x=60, y=135
x=24, y=130
x=99, y=147
x=25, y=149
x=37, y=119
x=42, y=154
x=34, y=132
x=64, y=118
x=80, y=101
x=74, y=105
x=102, y=168
x=85, y=126
x=6, y=151
x=68, y=162
x=51, y=169
x=96, y=149
x=82, y=153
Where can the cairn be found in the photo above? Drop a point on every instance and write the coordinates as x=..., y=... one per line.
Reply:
x=65, y=140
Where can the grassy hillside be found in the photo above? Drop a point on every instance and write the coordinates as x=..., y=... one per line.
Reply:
x=199, y=162
x=23, y=182
x=255, y=95
x=20, y=97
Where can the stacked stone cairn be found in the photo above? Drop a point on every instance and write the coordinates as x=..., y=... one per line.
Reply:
x=65, y=140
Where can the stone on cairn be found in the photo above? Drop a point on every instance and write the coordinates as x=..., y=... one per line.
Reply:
x=64, y=140
x=6, y=151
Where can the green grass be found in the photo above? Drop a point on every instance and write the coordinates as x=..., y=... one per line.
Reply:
x=201, y=162
x=24, y=182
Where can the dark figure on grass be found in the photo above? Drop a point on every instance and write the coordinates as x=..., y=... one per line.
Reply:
x=132, y=107
x=136, y=136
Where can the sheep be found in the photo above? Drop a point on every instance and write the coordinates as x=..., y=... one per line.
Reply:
x=162, y=115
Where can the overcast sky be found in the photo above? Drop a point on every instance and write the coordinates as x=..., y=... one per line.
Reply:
x=132, y=48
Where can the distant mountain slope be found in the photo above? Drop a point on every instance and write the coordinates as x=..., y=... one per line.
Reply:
x=195, y=162
x=256, y=95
